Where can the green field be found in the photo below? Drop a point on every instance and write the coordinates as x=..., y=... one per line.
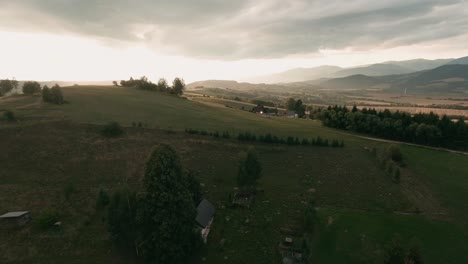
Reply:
x=53, y=147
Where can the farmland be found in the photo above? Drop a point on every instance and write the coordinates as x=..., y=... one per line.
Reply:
x=66, y=152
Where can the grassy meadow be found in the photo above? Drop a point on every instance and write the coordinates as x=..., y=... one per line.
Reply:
x=54, y=157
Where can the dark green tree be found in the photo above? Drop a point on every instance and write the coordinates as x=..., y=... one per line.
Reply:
x=194, y=187
x=112, y=129
x=162, y=85
x=6, y=86
x=414, y=253
x=31, y=87
x=394, y=153
x=291, y=104
x=9, y=116
x=395, y=253
x=166, y=213
x=45, y=93
x=299, y=107
x=178, y=86
x=250, y=169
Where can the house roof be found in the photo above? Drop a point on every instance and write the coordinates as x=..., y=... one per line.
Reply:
x=205, y=212
x=14, y=214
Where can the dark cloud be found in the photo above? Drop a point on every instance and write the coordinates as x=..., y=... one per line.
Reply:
x=244, y=28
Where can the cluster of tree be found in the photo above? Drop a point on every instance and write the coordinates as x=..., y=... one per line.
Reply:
x=262, y=102
x=297, y=106
x=216, y=134
x=52, y=95
x=271, y=139
x=177, y=88
x=158, y=223
x=7, y=85
x=425, y=129
x=265, y=110
x=396, y=253
x=31, y=87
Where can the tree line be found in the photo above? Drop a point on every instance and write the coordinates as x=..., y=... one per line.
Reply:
x=177, y=88
x=270, y=138
x=425, y=129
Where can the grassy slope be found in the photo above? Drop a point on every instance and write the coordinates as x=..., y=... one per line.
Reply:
x=346, y=178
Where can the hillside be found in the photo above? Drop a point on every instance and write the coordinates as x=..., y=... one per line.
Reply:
x=354, y=195
x=419, y=64
x=373, y=70
x=297, y=75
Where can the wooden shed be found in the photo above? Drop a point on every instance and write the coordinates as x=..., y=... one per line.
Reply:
x=15, y=219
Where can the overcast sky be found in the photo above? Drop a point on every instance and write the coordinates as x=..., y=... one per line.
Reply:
x=219, y=39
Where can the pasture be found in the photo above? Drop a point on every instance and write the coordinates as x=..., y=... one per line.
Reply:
x=53, y=147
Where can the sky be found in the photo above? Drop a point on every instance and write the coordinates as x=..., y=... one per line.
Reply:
x=78, y=40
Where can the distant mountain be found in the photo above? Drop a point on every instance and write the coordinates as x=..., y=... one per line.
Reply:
x=419, y=64
x=297, y=75
x=374, y=70
x=463, y=60
x=379, y=69
x=358, y=81
x=446, y=78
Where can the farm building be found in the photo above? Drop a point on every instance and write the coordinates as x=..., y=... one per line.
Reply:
x=15, y=219
x=205, y=214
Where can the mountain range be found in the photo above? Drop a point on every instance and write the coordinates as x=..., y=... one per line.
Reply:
x=416, y=76
x=379, y=69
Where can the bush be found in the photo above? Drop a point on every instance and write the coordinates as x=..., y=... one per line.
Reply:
x=394, y=153
x=9, y=116
x=53, y=95
x=47, y=219
x=112, y=129
x=102, y=199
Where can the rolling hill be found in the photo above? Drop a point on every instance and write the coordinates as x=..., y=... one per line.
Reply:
x=354, y=195
x=297, y=75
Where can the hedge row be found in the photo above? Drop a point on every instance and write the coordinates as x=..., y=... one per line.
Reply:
x=269, y=138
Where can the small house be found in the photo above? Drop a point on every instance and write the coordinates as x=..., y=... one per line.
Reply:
x=15, y=219
x=205, y=214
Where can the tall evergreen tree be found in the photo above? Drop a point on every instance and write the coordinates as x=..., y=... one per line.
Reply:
x=166, y=213
x=250, y=169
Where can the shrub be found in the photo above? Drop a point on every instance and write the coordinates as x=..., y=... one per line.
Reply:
x=394, y=153
x=47, y=219
x=53, y=95
x=9, y=116
x=102, y=199
x=112, y=129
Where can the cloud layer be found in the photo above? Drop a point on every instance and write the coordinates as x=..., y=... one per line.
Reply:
x=244, y=29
